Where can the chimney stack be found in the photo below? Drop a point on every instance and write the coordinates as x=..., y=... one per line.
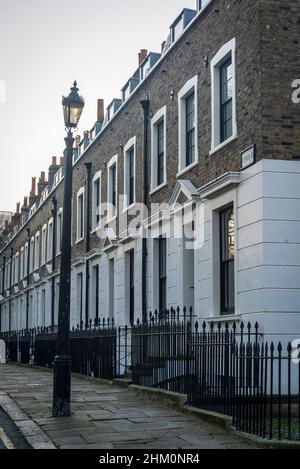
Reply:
x=86, y=139
x=42, y=184
x=33, y=186
x=142, y=55
x=53, y=168
x=100, y=110
x=77, y=141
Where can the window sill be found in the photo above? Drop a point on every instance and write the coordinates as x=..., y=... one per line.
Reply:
x=79, y=241
x=188, y=168
x=158, y=188
x=223, y=144
x=223, y=318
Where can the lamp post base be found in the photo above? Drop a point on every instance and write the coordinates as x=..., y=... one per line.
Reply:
x=62, y=386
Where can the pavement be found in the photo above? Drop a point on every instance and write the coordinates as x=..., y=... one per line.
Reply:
x=104, y=416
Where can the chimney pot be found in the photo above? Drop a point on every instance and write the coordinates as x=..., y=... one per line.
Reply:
x=163, y=46
x=62, y=161
x=33, y=186
x=18, y=208
x=54, y=161
x=142, y=55
x=42, y=178
x=25, y=201
x=100, y=110
x=86, y=134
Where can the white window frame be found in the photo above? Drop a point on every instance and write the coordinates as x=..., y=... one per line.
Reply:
x=156, y=119
x=129, y=145
x=25, y=260
x=227, y=50
x=21, y=264
x=37, y=251
x=111, y=287
x=94, y=296
x=32, y=248
x=110, y=216
x=8, y=285
x=96, y=209
x=190, y=85
x=50, y=240
x=43, y=245
x=13, y=271
x=17, y=269
x=59, y=230
x=78, y=234
x=216, y=206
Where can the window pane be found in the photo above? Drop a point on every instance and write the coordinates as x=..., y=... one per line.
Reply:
x=190, y=129
x=131, y=286
x=160, y=152
x=131, y=176
x=227, y=247
x=113, y=186
x=226, y=89
x=162, y=274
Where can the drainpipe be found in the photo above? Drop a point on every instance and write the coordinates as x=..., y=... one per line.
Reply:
x=10, y=288
x=28, y=268
x=54, y=215
x=145, y=105
x=87, y=241
x=3, y=288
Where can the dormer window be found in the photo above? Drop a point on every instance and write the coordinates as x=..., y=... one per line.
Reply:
x=181, y=23
x=129, y=88
x=148, y=64
x=177, y=29
x=202, y=4
x=112, y=109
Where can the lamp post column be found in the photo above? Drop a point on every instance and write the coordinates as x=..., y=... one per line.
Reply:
x=62, y=361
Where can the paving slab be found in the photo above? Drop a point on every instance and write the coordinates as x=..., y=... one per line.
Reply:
x=103, y=416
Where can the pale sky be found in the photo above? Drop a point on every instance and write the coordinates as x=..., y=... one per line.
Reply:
x=46, y=45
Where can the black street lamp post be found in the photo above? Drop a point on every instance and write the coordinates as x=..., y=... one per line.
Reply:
x=72, y=107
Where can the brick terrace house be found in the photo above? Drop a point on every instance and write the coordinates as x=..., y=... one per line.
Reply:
x=208, y=127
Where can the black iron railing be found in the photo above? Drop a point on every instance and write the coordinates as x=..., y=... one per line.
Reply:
x=159, y=352
x=100, y=350
x=228, y=369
